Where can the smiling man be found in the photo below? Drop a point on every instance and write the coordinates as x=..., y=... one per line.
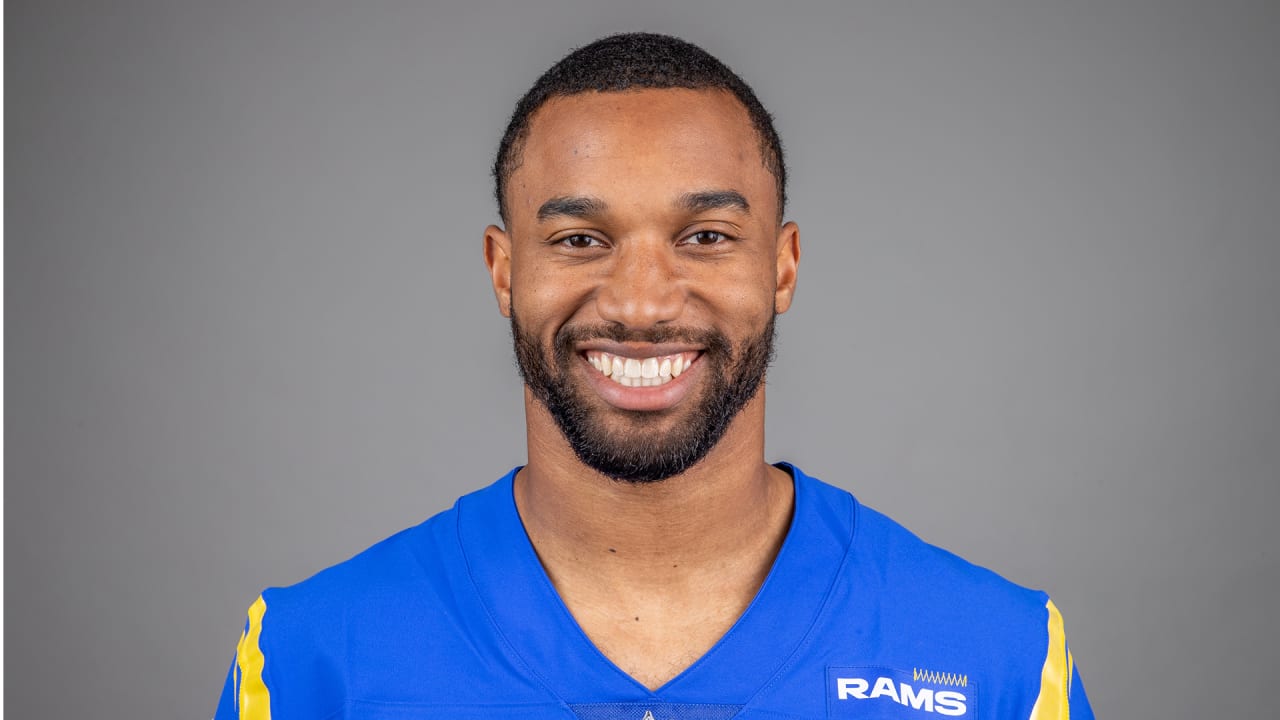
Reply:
x=647, y=562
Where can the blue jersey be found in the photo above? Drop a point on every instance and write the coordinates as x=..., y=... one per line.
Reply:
x=455, y=618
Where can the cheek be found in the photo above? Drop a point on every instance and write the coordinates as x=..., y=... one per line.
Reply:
x=743, y=290
x=542, y=297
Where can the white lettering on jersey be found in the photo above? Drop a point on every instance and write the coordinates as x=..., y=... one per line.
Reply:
x=949, y=702
x=884, y=686
x=852, y=687
x=920, y=700
x=943, y=702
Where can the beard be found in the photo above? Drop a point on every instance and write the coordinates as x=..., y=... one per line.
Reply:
x=639, y=453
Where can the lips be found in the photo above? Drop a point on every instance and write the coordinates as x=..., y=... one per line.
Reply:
x=617, y=373
x=641, y=371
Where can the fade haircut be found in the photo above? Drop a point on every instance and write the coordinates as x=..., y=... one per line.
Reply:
x=634, y=61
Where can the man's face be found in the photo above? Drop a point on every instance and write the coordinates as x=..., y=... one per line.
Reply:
x=642, y=269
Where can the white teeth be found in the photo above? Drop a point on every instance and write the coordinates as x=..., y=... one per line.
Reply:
x=636, y=372
x=649, y=368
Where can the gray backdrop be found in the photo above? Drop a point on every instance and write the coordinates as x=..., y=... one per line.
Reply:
x=249, y=332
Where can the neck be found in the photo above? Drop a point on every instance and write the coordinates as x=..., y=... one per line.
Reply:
x=727, y=514
x=655, y=573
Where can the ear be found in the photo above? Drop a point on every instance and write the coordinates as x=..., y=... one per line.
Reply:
x=788, y=260
x=497, y=257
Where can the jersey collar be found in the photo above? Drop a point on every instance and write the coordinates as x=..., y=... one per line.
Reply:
x=540, y=632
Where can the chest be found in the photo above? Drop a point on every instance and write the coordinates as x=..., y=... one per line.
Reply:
x=654, y=642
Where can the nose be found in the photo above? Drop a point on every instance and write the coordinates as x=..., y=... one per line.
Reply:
x=642, y=288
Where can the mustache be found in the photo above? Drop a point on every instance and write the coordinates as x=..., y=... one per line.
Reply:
x=569, y=335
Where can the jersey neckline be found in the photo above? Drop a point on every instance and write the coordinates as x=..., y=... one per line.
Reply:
x=545, y=639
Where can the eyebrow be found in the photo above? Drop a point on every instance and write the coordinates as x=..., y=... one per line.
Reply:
x=574, y=207
x=696, y=202
x=693, y=202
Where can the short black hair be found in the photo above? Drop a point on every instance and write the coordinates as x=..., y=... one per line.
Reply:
x=633, y=61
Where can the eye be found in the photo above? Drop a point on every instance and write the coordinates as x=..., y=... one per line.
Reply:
x=705, y=237
x=580, y=242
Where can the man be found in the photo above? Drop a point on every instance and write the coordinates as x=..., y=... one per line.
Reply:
x=647, y=562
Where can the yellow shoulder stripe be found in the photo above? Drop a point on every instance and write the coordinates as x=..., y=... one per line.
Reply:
x=254, y=700
x=1055, y=678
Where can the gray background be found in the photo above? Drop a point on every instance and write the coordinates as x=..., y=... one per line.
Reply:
x=249, y=331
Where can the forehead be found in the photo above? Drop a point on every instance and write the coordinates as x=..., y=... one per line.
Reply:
x=643, y=144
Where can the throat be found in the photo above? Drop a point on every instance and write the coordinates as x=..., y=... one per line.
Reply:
x=658, y=606
x=656, y=576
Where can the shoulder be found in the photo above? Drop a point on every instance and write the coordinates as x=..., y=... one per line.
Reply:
x=410, y=557
x=407, y=601
x=927, y=618
x=903, y=604
x=910, y=575
x=299, y=639
x=421, y=565
x=936, y=577
x=411, y=562
x=418, y=575
x=923, y=606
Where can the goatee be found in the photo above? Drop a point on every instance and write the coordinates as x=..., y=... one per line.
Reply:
x=641, y=453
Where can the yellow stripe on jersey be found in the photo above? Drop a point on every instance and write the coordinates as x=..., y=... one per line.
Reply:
x=1055, y=678
x=1071, y=672
x=254, y=700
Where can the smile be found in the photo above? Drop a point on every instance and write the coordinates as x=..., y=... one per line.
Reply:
x=641, y=372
